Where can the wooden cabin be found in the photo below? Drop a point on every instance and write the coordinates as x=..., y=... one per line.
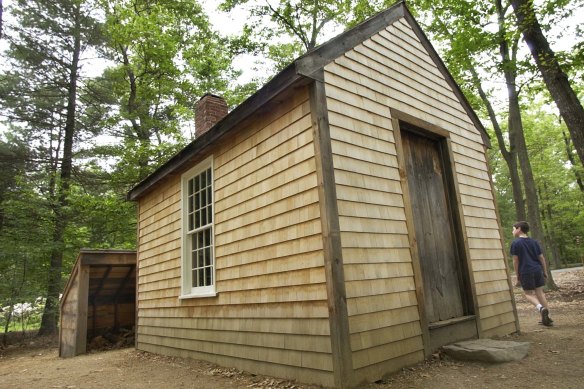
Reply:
x=100, y=296
x=338, y=225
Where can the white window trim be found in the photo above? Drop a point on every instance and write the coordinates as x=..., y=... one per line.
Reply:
x=187, y=291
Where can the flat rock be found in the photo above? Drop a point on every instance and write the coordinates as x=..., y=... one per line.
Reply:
x=487, y=350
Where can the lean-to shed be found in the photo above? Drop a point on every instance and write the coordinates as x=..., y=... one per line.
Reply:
x=336, y=226
x=100, y=296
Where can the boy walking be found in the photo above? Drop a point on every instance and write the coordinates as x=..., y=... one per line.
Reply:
x=531, y=269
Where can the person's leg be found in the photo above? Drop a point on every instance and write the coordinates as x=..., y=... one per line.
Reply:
x=545, y=313
x=540, y=295
x=531, y=297
x=532, y=284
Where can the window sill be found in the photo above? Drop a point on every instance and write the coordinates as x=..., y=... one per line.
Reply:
x=197, y=295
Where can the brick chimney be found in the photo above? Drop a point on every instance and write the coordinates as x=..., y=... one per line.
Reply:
x=209, y=110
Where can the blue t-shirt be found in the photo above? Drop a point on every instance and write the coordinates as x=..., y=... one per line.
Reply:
x=528, y=251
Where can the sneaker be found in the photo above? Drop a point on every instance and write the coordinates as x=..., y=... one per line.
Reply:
x=545, y=317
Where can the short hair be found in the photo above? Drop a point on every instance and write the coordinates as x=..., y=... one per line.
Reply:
x=523, y=226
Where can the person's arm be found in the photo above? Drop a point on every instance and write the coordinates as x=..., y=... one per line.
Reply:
x=516, y=268
x=543, y=265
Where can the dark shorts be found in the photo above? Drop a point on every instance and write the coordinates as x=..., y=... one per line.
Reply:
x=530, y=281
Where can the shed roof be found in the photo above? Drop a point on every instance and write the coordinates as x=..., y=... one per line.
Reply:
x=301, y=72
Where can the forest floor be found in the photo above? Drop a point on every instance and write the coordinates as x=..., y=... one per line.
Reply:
x=555, y=360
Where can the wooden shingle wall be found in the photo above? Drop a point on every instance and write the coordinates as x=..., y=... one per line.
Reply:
x=392, y=69
x=270, y=314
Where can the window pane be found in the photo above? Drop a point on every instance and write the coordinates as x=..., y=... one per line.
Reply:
x=200, y=240
x=200, y=258
x=208, y=280
x=210, y=214
x=201, y=278
x=191, y=224
x=203, y=180
x=194, y=244
x=194, y=278
x=208, y=256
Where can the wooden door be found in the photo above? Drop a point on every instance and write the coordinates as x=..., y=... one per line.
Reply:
x=437, y=250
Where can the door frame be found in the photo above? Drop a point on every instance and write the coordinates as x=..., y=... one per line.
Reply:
x=469, y=325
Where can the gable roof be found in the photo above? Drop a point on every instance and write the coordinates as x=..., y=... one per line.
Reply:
x=301, y=72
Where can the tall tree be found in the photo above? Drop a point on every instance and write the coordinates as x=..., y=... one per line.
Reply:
x=46, y=48
x=555, y=79
x=164, y=56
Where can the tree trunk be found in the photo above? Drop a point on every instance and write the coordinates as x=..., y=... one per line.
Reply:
x=510, y=156
x=555, y=79
x=517, y=136
x=50, y=313
x=571, y=159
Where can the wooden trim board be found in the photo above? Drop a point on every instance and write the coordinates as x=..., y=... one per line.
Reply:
x=333, y=257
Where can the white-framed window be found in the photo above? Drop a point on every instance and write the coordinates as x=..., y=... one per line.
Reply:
x=198, y=249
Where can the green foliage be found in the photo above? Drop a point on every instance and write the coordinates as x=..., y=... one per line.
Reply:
x=302, y=20
x=164, y=56
x=562, y=200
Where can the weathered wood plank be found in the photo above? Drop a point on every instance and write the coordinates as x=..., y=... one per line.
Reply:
x=225, y=211
x=299, y=216
x=384, y=336
x=305, y=199
x=362, y=194
x=372, y=255
x=379, y=286
x=296, y=310
x=341, y=121
x=281, y=157
x=354, y=151
x=361, y=224
x=494, y=298
x=371, y=304
x=372, y=321
x=384, y=353
x=359, y=240
x=305, y=326
x=232, y=195
x=260, y=139
x=373, y=211
x=358, y=181
x=372, y=271
x=300, y=260
x=297, y=342
x=288, y=233
x=290, y=372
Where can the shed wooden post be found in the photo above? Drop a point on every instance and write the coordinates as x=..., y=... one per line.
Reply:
x=333, y=257
x=82, y=300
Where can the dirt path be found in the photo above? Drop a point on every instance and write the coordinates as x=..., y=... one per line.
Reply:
x=555, y=360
